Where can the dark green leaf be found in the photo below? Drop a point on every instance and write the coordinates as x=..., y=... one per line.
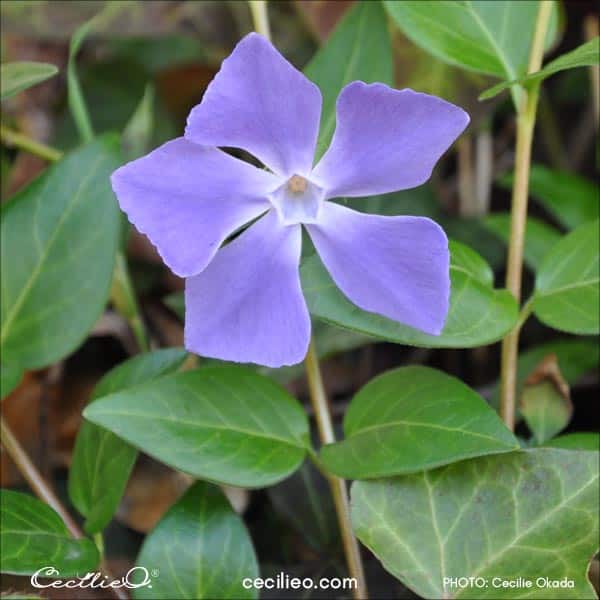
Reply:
x=540, y=238
x=359, y=48
x=63, y=227
x=489, y=37
x=571, y=199
x=478, y=314
x=545, y=410
x=102, y=461
x=576, y=441
x=10, y=377
x=566, y=288
x=200, y=548
x=224, y=424
x=18, y=76
x=526, y=514
x=33, y=536
x=411, y=419
x=586, y=55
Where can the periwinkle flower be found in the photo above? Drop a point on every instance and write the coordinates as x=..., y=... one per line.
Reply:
x=244, y=301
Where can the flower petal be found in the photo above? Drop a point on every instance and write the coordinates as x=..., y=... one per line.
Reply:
x=259, y=102
x=386, y=140
x=395, y=266
x=188, y=199
x=247, y=306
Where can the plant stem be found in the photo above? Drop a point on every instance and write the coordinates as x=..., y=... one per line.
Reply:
x=43, y=491
x=260, y=17
x=15, y=139
x=525, y=125
x=338, y=486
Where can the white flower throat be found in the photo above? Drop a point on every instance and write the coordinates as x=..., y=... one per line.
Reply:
x=298, y=200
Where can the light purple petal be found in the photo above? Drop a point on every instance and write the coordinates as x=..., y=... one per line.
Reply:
x=386, y=140
x=395, y=266
x=188, y=199
x=247, y=306
x=259, y=102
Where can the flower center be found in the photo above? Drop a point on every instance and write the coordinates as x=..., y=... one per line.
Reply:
x=298, y=200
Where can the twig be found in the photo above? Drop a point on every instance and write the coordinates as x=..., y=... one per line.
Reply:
x=15, y=139
x=525, y=125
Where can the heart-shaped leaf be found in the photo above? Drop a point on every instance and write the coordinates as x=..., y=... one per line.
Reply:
x=411, y=419
x=200, y=548
x=583, y=56
x=358, y=48
x=18, y=76
x=478, y=314
x=489, y=37
x=540, y=238
x=33, y=536
x=102, y=461
x=224, y=424
x=495, y=517
x=59, y=240
x=571, y=199
x=566, y=289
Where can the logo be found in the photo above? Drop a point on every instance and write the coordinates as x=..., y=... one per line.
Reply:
x=94, y=580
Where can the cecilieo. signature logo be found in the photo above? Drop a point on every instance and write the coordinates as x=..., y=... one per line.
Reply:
x=94, y=580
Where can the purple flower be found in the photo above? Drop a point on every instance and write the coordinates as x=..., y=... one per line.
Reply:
x=244, y=301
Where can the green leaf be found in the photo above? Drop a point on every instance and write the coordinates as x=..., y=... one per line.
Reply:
x=414, y=418
x=575, y=358
x=359, y=48
x=10, y=377
x=200, y=548
x=576, y=441
x=540, y=238
x=464, y=259
x=526, y=514
x=478, y=314
x=224, y=424
x=102, y=461
x=137, y=134
x=33, y=536
x=59, y=239
x=572, y=200
x=567, y=292
x=545, y=410
x=18, y=76
x=584, y=56
x=488, y=37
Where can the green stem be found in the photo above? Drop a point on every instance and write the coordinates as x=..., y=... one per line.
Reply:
x=15, y=139
x=339, y=492
x=260, y=17
x=526, y=116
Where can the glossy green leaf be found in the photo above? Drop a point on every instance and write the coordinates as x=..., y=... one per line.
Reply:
x=200, y=549
x=102, y=461
x=586, y=55
x=224, y=424
x=488, y=37
x=18, y=76
x=63, y=227
x=576, y=441
x=10, y=377
x=358, y=48
x=540, y=238
x=526, y=514
x=414, y=418
x=575, y=358
x=478, y=314
x=545, y=410
x=566, y=288
x=33, y=536
x=571, y=199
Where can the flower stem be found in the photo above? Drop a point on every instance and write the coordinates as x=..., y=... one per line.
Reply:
x=526, y=115
x=43, y=491
x=260, y=17
x=338, y=486
x=15, y=139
